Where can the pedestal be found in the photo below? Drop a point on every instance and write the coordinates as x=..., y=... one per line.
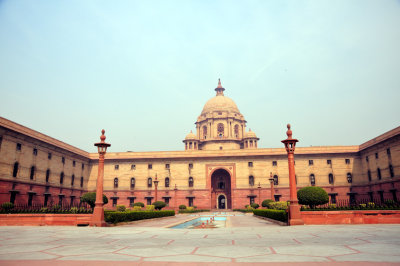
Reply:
x=295, y=213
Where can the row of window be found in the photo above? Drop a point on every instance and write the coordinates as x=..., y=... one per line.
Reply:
x=150, y=166
x=148, y=201
x=310, y=162
x=150, y=182
x=379, y=174
x=49, y=155
x=377, y=155
x=312, y=179
x=33, y=170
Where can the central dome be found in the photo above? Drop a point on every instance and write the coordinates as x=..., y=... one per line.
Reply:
x=220, y=103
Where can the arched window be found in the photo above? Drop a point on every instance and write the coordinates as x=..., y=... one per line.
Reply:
x=369, y=175
x=116, y=182
x=149, y=182
x=312, y=179
x=62, y=177
x=15, y=170
x=349, y=178
x=379, y=173
x=81, y=181
x=220, y=129
x=32, y=172
x=72, y=180
x=167, y=182
x=190, y=181
x=276, y=180
x=330, y=178
x=47, y=175
x=204, y=132
x=251, y=180
x=132, y=183
x=391, y=170
x=236, y=131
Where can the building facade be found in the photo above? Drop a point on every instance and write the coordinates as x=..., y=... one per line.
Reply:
x=220, y=167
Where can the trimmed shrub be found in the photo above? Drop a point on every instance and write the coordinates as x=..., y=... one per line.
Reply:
x=121, y=208
x=279, y=205
x=182, y=207
x=90, y=198
x=190, y=209
x=117, y=217
x=7, y=206
x=159, y=205
x=266, y=203
x=136, y=208
x=254, y=205
x=74, y=210
x=312, y=196
x=150, y=208
x=141, y=204
x=279, y=215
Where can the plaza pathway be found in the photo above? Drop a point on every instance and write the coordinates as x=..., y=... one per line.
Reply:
x=247, y=241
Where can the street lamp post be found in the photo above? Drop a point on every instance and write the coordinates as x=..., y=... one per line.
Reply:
x=98, y=212
x=271, y=181
x=294, y=208
x=155, y=187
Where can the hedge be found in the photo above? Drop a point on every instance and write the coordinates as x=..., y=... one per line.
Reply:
x=192, y=211
x=127, y=216
x=279, y=215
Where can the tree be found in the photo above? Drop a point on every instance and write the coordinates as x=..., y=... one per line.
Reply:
x=312, y=196
x=266, y=203
x=90, y=198
x=158, y=205
x=140, y=204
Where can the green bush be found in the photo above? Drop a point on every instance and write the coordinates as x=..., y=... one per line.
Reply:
x=159, y=205
x=266, y=203
x=141, y=204
x=117, y=217
x=254, y=205
x=136, y=208
x=150, y=208
x=279, y=215
x=193, y=211
x=121, y=208
x=182, y=207
x=74, y=210
x=7, y=206
x=90, y=198
x=312, y=196
x=279, y=205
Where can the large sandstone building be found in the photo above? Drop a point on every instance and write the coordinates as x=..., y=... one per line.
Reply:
x=220, y=167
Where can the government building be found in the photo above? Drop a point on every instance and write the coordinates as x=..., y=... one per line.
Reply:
x=220, y=166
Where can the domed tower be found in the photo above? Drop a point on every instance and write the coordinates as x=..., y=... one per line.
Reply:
x=250, y=140
x=220, y=125
x=191, y=142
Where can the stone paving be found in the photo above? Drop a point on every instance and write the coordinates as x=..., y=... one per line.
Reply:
x=246, y=240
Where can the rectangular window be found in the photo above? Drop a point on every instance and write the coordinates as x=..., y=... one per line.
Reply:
x=116, y=167
x=167, y=166
x=277, y=197
x=376, y=155
x=166, y=200
x=83, y=166
x=49, y=156
x=252, y=200
x=328, y=162
x=250, y=164
x=131, y=201
x=388, y=151
x=274, y=163
x=35, y=151
x=190, y=166
x=148, y=201
x=190, y=202
x=310, y=162
x=347, y=161
x=73, y=163
x=63, y=160
x=133, y=167
x=150, y=166
x=333, y=198
x=114, y=202
x=366, y=159
x=19, y=146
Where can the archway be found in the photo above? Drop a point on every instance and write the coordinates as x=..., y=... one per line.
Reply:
x=221, y=189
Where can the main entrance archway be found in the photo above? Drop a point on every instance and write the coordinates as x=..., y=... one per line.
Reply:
x=221, y=189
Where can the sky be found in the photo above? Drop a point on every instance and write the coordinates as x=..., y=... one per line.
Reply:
x=143, y=70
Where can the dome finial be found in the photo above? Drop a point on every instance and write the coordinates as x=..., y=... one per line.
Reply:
x=219, y=89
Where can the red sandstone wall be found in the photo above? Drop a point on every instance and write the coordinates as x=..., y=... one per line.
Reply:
x=351, y=217
x=44, y=219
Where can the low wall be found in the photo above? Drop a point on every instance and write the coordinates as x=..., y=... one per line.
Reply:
x=351, y=217
x=34, y=219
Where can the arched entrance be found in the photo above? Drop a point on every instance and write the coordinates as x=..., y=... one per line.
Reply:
x=221, y=189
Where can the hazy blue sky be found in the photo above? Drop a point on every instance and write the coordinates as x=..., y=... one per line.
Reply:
x=143, y=70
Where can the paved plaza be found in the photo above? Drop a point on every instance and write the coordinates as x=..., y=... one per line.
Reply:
x=246, y=240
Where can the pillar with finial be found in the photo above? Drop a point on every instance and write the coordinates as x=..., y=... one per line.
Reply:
x=219, y=89
x=294, y=208
x=155, y=188
x=98, y=212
